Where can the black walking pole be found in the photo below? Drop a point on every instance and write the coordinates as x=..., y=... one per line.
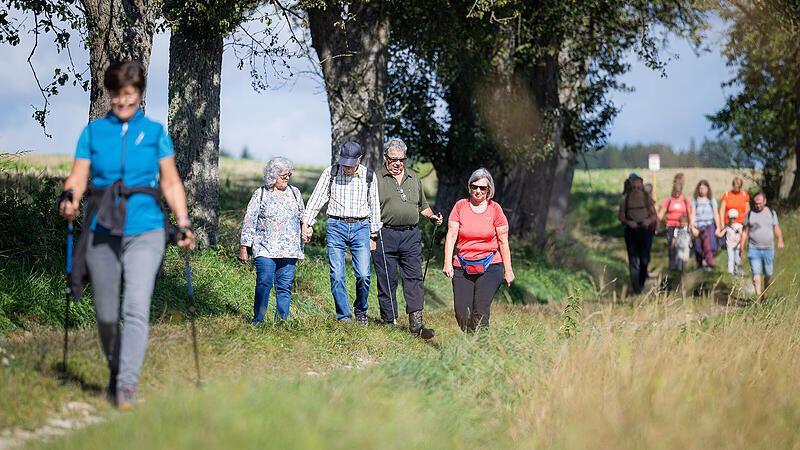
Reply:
x=191, y=315
x=67, y=195
x=68, y=293
x=430, y=253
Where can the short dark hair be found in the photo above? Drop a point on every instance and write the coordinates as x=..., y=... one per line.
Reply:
x=761, y=193
x=125, y=73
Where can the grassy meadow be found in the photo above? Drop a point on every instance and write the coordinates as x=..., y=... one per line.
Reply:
x=570, y=360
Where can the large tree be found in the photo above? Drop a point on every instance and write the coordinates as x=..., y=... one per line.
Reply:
x=763, y=112
x=195, y=71
x=532, y=81
x=351, y=40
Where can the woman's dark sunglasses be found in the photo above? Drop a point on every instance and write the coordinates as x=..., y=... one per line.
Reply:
x=475, y=187
x=285, y=176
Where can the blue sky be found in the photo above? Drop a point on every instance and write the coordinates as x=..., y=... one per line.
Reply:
x=293, y=121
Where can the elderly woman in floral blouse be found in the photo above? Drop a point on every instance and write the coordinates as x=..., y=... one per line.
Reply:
x=271, y=233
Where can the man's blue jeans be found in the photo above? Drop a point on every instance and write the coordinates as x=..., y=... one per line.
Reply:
x=280, y=273
x=356, y=236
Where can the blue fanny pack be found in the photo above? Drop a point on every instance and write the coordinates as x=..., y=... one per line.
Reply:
x=475, y=266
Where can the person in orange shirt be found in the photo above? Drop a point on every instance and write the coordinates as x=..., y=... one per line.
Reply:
x=736, y=199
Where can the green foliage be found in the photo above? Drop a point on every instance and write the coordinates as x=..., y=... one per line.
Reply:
x=440, y=53
x=571, y=315
x=763, y=112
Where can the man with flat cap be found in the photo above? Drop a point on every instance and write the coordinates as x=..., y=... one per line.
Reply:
x=354, y=215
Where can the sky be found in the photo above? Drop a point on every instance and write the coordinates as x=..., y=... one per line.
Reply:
x=292, y=120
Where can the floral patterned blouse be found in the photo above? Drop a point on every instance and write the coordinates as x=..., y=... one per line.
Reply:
x=271, y=225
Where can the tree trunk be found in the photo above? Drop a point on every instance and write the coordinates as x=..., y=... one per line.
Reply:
x=794, y=191
x=195, y=67
x=354, y=60
x=564, y=164
x=118, y=30
x=532, y=182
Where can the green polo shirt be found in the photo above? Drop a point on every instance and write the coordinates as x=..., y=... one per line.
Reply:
x=395, y=211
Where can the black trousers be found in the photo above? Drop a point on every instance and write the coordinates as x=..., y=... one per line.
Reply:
x=637, y=241
x=473, y=295
x=403, y=249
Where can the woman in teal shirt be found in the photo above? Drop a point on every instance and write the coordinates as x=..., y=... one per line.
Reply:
x=124, y=152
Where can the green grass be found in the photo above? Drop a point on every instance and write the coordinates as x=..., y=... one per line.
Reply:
x=675, y=368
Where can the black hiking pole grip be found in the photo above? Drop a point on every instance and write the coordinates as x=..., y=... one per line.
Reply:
x=430, y=253
x=190, y=291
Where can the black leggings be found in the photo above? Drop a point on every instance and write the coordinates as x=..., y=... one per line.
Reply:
x=473, y=295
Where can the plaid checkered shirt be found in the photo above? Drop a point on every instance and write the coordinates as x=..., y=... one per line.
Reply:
x=348, y=198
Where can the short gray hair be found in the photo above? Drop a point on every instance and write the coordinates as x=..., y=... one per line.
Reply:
x=395, y=144
x=482, y=173
x=274, y=168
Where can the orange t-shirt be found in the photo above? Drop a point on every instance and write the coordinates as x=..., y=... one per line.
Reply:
x=737, y=201
x=477, y=233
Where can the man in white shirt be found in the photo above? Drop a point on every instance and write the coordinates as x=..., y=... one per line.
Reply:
x=354, y=214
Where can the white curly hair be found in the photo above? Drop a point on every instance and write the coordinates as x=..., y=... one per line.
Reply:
x=274, y=168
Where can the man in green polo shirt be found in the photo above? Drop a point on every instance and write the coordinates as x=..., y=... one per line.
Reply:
x=402, y=202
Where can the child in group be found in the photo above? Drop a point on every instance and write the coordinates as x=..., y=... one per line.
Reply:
x=733, y=237
x=682, y=242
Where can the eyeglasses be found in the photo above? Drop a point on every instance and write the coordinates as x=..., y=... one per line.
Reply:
x=475, y=187
x=285, y=176
x=402, y=194
x=391, y=160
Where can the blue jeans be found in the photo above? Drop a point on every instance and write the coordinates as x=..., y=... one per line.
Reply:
x=280, y=273
x=757, y=256
x=356, y=236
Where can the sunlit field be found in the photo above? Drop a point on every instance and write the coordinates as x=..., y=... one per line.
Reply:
x=570, y=361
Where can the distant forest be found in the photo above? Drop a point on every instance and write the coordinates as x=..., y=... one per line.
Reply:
x=714, y=154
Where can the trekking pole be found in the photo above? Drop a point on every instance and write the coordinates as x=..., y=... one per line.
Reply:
x=430, y=253
x=68, y=291
x=67, y=196
x=190, y=291
x=388, y=284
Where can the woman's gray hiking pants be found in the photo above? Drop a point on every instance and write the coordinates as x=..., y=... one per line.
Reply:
x=136, y=261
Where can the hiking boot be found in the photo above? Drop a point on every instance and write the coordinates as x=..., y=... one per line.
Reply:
x=126, y=398
x=362, y=319
x=416, y=328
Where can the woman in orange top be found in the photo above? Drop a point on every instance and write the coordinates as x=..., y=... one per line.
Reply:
x=736, y=199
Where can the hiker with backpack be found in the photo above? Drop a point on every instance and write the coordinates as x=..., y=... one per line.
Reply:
x=354, y=219
x=759, y=231
x=131, y=164
x=673, y=207
x=271, y=233
x=705, y=221
x=636, y=212
x=400, y=239
x=478, y=228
